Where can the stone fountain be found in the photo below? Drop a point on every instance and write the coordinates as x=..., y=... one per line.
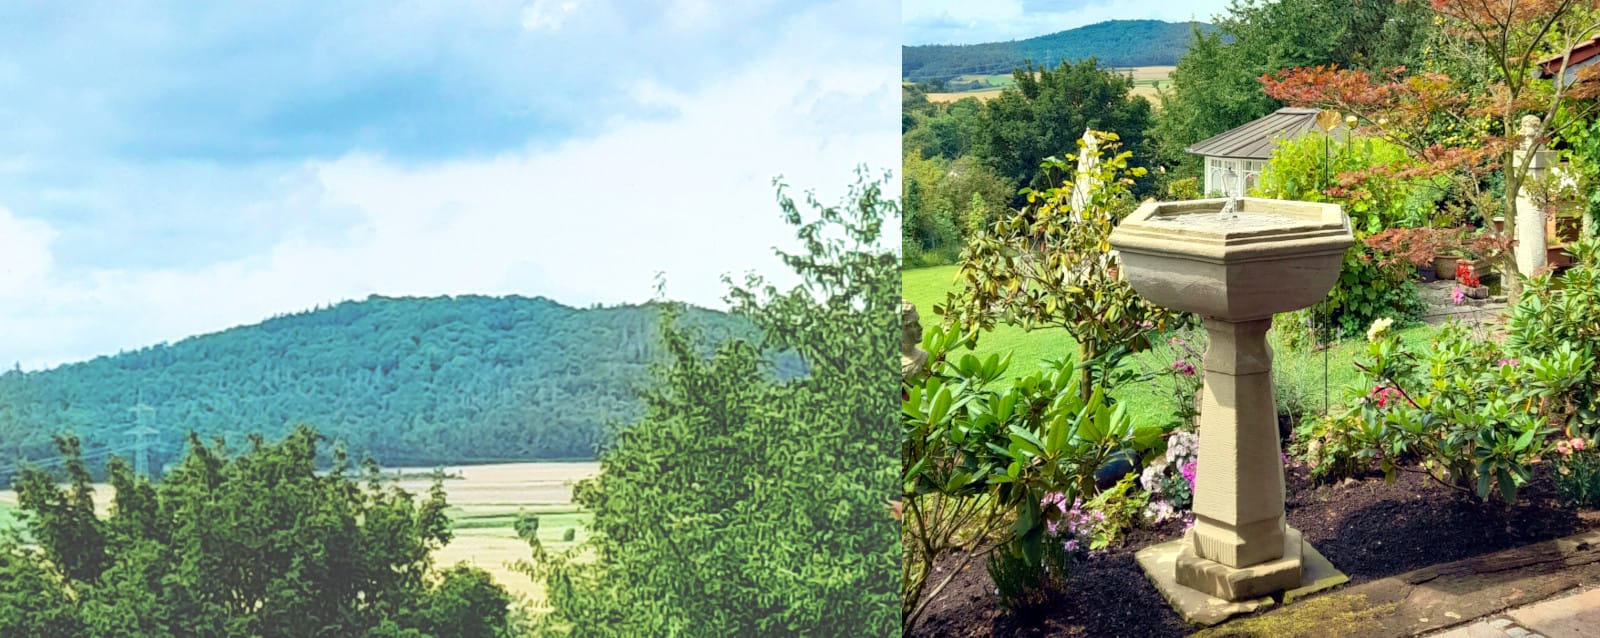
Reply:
x=1235, y=262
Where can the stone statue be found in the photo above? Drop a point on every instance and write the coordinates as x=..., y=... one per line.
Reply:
x=912, y=357
x=1529, y=131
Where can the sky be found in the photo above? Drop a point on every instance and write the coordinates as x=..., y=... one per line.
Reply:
x=180, y=168
x=970, y=22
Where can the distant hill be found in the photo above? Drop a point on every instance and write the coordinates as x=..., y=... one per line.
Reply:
x=1120, y=43
x=411, y=381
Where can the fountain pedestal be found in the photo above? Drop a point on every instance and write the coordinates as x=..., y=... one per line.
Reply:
x=1235, y=263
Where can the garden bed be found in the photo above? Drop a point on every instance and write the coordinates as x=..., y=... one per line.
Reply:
x=1367, y=528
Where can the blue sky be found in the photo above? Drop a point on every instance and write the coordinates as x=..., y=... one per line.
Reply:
x=972, y=22
x=177, y=168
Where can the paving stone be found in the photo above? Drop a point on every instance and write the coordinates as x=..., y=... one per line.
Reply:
x=1500, y=623
x=1575, y=616
x=1471, y=630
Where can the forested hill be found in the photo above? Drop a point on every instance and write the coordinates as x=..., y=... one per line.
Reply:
x=441, y=380
x=1119, y=43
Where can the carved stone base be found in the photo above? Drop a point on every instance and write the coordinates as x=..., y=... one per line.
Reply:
x=1231, y=583
x=1159, y=563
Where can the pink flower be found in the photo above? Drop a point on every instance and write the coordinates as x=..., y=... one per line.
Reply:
x=1188, y=471
x=1458, y=295
x=1508, y=362
x=1147, y=325
x=1183, y=367
x=1578, y=443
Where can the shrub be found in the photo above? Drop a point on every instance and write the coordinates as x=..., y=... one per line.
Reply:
x=1475, y=417
x=1012, y=454
x=1370, y=287
x=1577, y=476
x=1360, y=174
x=1050, y=266
x=1328, y=446
x=1556, y=314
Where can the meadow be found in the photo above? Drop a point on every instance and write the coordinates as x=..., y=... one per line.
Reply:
x=1147, y=83
x=1296, y=370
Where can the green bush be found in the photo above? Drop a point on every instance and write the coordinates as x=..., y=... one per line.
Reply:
x=1327, y=445
x=1474, y=416
x=1359, y=175
x=1577, y=476
x=1556, y=314
x=741, y=505
x=256, y=544
x=1369, y=289
x=1011, y=452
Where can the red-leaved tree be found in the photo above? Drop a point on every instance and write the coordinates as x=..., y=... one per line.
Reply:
x=1458, y=126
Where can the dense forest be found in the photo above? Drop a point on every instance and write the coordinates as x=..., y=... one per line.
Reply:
x=410, y=381
x=1118, y=43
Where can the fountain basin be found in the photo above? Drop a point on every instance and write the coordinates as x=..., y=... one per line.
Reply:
x=1258, y=258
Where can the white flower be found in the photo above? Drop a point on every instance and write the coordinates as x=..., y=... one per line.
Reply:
x=1182, y=446
x=1159, y=511
x=1150, y=479
x=1379, y=327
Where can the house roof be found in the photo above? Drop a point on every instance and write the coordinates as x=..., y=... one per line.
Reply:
x=1257, y=139
x=1579, y=53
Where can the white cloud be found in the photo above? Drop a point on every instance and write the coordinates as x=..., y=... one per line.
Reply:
x=547, y=15
x=588, y=221
x=25, y=259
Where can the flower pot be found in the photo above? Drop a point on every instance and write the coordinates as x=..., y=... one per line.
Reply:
x=1478, y=292
x=1557, y=257
x=1427, y=273
x=1444, y=266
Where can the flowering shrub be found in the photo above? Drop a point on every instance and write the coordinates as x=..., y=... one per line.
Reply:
x=1073, y=527
x=1474, y=418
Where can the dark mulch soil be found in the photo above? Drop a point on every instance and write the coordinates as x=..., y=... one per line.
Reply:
x=1367, y=528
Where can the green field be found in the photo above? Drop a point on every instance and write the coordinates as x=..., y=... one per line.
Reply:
x=1149, y=402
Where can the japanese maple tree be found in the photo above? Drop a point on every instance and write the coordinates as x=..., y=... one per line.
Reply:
x=1459, y=126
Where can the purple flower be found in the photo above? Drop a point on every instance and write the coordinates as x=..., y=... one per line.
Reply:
x=1183, y=367
x=1188, y=471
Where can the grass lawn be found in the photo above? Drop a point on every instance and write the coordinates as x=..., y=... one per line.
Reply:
x=1149, y=402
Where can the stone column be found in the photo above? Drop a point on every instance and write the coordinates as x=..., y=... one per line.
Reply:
x=1531, y=239
x=1530, y=249
x=1239, y=547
